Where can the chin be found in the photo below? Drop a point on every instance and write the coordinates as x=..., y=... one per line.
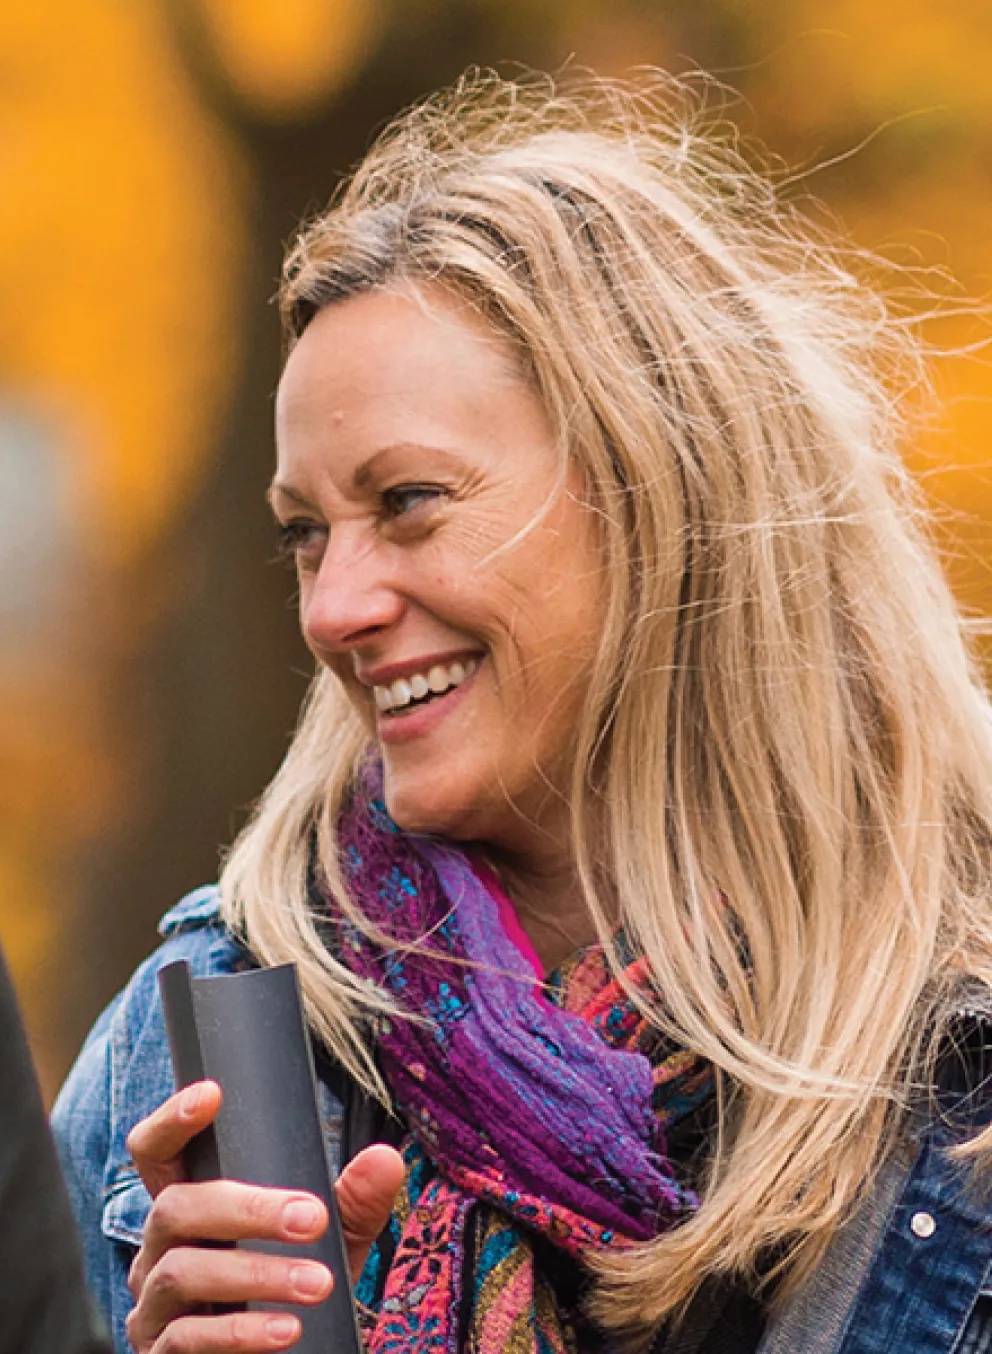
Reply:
x=414, y=809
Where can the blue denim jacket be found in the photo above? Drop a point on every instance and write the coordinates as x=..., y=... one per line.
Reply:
x=907, y=1274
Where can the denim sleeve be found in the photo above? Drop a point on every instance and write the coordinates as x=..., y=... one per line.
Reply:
x=122, y=1074
x=81, y=1124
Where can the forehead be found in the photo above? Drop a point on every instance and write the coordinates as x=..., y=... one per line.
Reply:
x=391, y=366
x=396, y=339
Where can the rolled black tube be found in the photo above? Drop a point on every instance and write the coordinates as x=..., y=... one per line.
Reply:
x=246, y=1031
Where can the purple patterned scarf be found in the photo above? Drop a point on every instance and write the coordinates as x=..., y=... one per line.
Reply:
x=536, y=1119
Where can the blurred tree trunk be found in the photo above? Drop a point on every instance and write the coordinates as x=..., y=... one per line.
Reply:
x=213, y=681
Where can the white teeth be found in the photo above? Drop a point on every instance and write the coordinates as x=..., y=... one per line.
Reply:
x=400, y=692
x=434, y=681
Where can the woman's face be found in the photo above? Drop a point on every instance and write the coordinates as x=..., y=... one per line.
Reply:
x=446, y=576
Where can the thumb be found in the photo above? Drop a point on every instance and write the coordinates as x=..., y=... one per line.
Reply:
x=366, y=1190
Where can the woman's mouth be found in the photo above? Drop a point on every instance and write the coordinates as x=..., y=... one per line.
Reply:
x=421, y=688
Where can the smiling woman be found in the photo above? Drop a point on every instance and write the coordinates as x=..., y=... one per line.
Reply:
x=441, y=551
x=634, y=846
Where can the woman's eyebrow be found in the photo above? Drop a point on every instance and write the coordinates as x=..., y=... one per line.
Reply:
x=364, y=473
x=362, y=476
x=279, y=489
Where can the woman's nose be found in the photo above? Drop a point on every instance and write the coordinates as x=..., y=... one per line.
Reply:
x=349, y=601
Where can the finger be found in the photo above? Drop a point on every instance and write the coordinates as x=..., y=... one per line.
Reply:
x=224, y=1210
x=366, y=1191
x=157, y=1142
x=186, y=1278
x=244, y=1332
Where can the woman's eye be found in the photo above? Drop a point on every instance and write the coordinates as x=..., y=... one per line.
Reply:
x=405, y=498
x=297, y=542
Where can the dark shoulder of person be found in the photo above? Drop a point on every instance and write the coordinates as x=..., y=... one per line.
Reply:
x=44, y=1305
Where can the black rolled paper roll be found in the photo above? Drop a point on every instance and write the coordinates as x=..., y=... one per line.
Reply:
x=246, y=1031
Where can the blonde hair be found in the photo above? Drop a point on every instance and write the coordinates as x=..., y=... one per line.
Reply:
x=784, y=766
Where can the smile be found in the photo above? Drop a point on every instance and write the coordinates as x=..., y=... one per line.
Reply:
x=419, y=688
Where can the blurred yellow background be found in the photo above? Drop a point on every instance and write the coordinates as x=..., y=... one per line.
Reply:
x=154, y=157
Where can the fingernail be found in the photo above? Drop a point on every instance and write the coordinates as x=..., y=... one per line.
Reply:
x=282, y=1328
x=191, y=1102
x=300, y=1215
x=310, y=1280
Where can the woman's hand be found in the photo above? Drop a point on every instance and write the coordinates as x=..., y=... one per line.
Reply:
x=176, y=1271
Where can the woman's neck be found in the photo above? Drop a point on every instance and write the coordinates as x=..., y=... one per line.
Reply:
x=547, y=899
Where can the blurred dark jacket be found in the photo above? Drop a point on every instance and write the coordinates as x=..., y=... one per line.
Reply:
x=44, y=1306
